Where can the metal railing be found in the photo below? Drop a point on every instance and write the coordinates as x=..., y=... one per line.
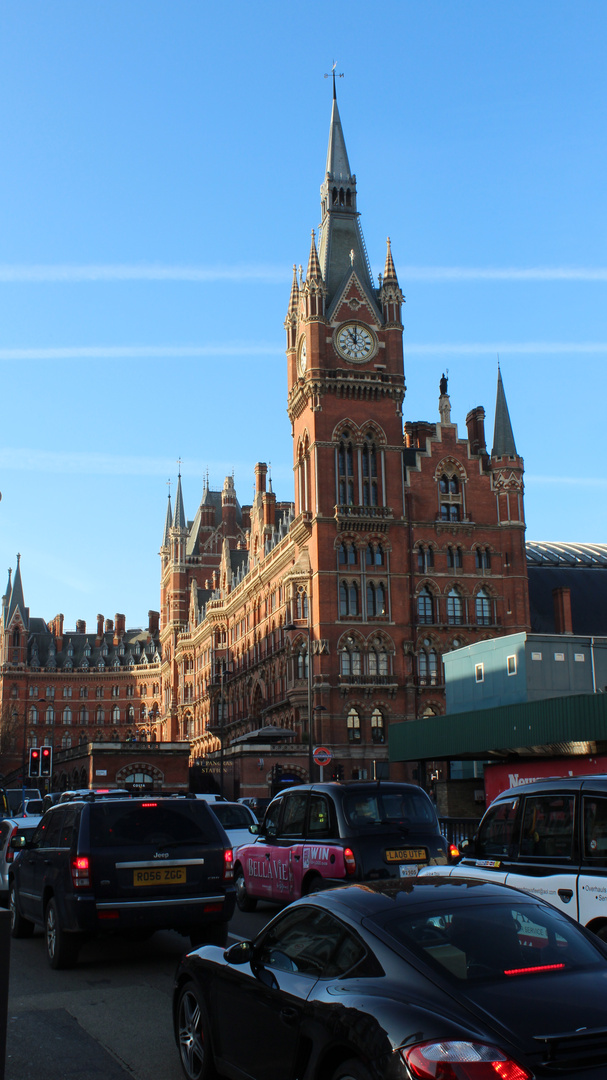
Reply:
x=456, y=829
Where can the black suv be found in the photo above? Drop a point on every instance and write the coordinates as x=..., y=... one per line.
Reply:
x=316, y=835
x=134, y=865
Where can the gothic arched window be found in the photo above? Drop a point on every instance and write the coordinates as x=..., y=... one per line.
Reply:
x=425, y=606
x=455, y=608
x=345, y=458
x=377, y=726
x=482, y=607
x=353, y=724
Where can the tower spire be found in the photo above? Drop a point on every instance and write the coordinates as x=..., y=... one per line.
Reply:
x=167, y=525
x=503, y=437
x=179, y=521
x=341, y=243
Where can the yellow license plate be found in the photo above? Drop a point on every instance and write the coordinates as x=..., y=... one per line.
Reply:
x=162, y=875
x=406, y=854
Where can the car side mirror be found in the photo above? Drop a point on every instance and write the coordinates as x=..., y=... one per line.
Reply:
x=254, y=829
x=468, y=846
x=17, y=843
x=240, y=953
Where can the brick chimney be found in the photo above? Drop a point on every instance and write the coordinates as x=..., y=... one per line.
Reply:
x=59, y=632
x=561, y=600
x=99, y=637
x=80, y=626
x=261, y=471
x=119, y=628
x=475, y=422
x=109, y=626
x=153, y=622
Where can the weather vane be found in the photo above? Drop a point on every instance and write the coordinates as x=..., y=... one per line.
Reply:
x=335, y=76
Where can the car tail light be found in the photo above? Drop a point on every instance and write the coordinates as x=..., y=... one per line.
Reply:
x=10, y=854
x=350, y=861
x=461, y=1061
x=228, y=864
x=81, y=872
x=453, y=851
x=146, y=805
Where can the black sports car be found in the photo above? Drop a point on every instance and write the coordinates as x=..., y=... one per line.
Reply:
x=424, y=979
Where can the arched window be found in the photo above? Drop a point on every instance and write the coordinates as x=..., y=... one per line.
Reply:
x=428, y=667
x=84, y=716
x=100, y=715
x=377, y=661
x=376, y=599
x=67, y=715
x=33, y=715
x=50, y=715
x=346, y=470
x=483, y=559
x=66, y=742
x=425, y=607
x=369, y=470
x=353, y=726
x=377, y=726
x=455, y=608
x=348, y=598
x=351, y=660
x=347, y=555
x=425, y=558
x=450, y=512
x=116, y=714
x=302, y=662
x=131, y=714
x=482, y=607
x=301, y=605
x=454, y=558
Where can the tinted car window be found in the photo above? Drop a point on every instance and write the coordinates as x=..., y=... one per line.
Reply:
x=49, y=830
x=410, y=807
x=496, y=941
x=311, y=942
x=294, y=814
x=548, y=826
x=496, y=833
x=123, y=825
x=69, y=827
x=595, y=827
x=270, y=822
x=232, y=816
x=319, y=821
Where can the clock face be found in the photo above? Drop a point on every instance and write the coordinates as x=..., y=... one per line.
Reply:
x=355, y=342
x=302, y=358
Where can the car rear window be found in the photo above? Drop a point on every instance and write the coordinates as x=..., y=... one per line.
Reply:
x=232, y=816
x=157, y=823
x=503, y=942
x=389, y=807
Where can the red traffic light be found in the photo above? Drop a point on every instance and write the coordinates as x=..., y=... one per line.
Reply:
x=46, y=763
x=34, y=762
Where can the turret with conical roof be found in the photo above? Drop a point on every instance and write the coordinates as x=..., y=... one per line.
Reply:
x=503, y=437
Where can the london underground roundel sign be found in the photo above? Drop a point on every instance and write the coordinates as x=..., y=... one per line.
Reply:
x=322, y=755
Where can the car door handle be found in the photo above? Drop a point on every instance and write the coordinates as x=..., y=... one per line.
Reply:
x=288, y=1015
x=296, y=858
x=565, y=895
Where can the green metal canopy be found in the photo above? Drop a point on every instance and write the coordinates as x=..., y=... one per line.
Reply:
x=563, y=725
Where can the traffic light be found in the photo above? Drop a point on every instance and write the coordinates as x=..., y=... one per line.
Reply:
x=34, y=761
x=46, y=761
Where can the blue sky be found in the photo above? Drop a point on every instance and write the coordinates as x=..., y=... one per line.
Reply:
x=161, y=169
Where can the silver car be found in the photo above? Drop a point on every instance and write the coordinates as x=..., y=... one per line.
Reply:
x=9, y=827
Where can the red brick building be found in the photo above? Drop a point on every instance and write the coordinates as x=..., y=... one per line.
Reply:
x=402, y=542
x=406, y=539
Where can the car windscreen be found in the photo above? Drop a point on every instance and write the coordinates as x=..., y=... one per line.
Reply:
x=232, y=815
x=472, y=942
x=158, y=823
x=410, y=808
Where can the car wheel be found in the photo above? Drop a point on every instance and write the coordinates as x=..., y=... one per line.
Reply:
x=244, y=901
x=20, y=927
x=193, y=1035
x=61, y=948
x=352, y=1070
x=214, y=934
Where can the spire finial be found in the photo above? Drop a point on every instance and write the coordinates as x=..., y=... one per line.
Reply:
x=339, y=75
x=179, y=464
